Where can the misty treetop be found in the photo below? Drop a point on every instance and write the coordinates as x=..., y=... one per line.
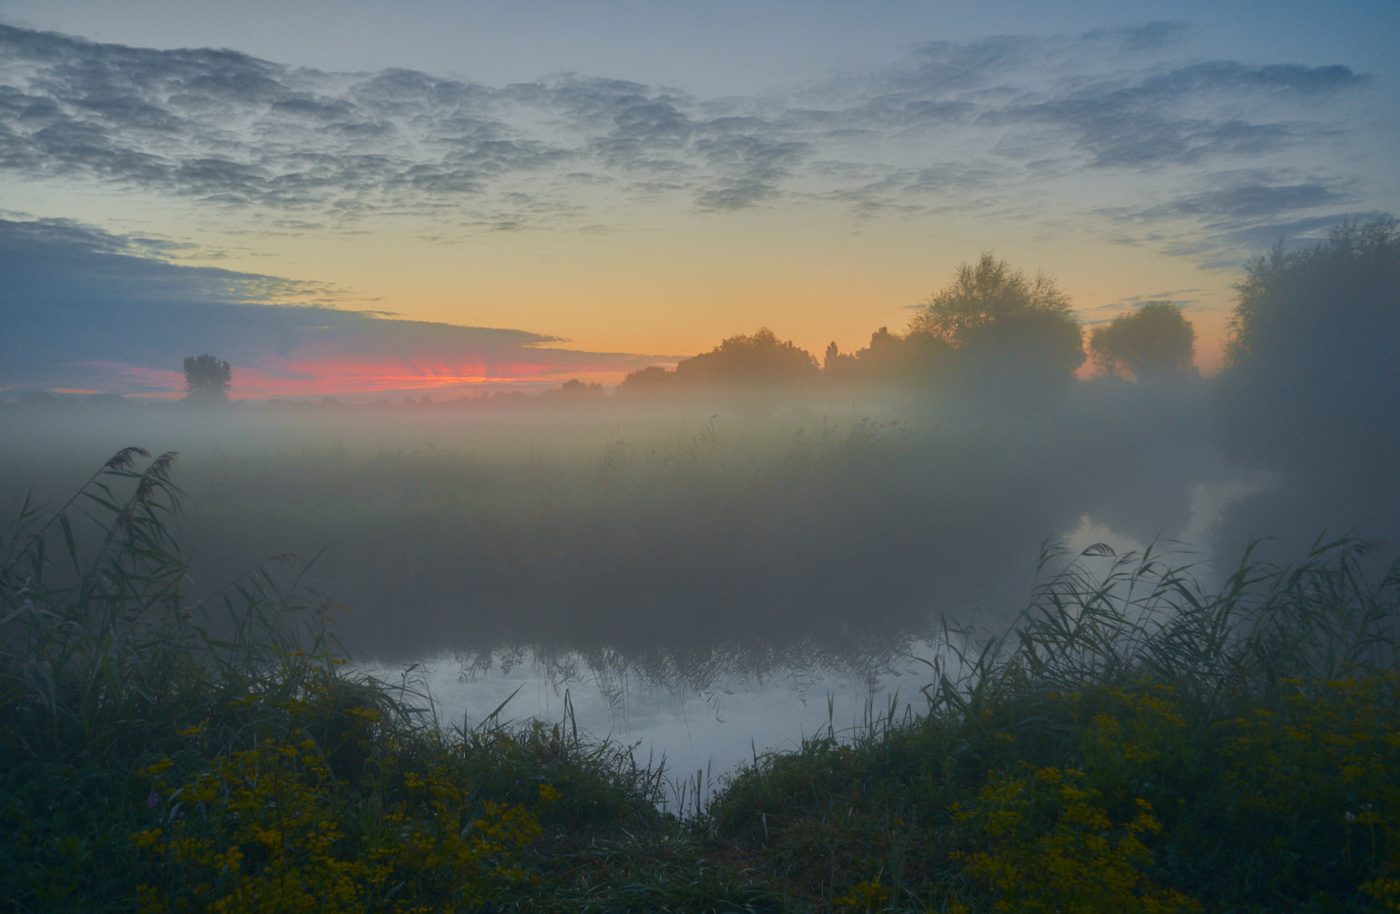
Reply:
x=1312, y=345
x=1310, y=385
x=760, y=358
x=915, y=358
x=207, y=378
x=1155, y=342
x=991, y=311
x=757, y=361
x=991, y=329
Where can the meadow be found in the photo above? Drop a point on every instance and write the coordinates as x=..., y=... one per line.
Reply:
x=183, y=728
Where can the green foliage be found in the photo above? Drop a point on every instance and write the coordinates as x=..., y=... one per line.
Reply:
x=1043, y=841
x=1155, y=342
x=219, y=756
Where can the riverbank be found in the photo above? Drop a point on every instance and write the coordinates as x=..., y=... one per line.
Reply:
x=1133, y=742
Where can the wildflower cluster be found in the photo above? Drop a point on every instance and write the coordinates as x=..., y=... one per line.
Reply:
x=271, y=827
x=1048, y=844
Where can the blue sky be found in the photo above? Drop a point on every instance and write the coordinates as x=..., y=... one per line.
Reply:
x=535, y=191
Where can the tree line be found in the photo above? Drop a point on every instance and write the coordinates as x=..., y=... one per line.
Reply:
x=1314, y=327
x=992, y=328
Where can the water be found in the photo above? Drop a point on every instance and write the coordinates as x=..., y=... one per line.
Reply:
x=701, y=733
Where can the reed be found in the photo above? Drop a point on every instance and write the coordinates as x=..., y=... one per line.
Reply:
x=166, y=754
x=1133, y=741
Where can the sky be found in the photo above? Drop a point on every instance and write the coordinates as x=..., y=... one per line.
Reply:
x=437, y=198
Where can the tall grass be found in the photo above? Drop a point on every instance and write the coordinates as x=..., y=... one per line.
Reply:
x=165, y=754
x=1110, y=620
x=1132, y=742
x=96, y=635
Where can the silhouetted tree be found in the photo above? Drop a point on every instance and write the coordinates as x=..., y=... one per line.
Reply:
x=574, y=391
x=1309, y=387
x=207, y=378
x=646, y=381
x=1011, y=332
x=758, y=361
x=1155, y=342
x=915, y=358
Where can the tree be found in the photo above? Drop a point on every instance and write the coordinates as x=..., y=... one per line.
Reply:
x=1155, y=342
x=757, y=361
x=1005, y=325
x=1338, y=293
x=646, y=381
x=207, y=378
x=1310, y=380
x=1310, y=363
x=914, y=359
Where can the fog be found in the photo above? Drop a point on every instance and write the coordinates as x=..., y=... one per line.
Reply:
x=750, y=532
x=676, y=538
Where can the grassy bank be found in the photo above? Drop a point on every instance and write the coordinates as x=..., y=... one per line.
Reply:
x=1133, y=743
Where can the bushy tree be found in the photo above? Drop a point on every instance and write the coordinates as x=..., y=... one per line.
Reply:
x=1155, y=342
x=914, y=359
x=1312, y=345
x=1309, y=387
x=646, y=381
x=207, y=378
x=757, y=360
x=1011, y=331
x=1324, y=299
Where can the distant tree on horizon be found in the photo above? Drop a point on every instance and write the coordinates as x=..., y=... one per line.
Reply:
x=646, y=381
x=574, y=391
x=915, y=358
x=1153, y=343
x=1013, y=336
x=749, y=360
x=207, y=379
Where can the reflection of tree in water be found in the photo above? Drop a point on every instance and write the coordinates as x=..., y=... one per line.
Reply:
x=710, y=677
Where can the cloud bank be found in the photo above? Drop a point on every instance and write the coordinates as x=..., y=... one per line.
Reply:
x=88, y=310
x=957, y=125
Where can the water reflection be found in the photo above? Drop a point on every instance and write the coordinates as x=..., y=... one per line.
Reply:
x=701, y=732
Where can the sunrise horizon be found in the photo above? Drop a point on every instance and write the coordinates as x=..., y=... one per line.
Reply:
x=455, y=200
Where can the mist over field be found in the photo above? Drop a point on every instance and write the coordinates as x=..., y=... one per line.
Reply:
x=840, y=528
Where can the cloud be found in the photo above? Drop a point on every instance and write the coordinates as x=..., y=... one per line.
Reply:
x=85, y=309
x=332, y=148
x=1239, y=213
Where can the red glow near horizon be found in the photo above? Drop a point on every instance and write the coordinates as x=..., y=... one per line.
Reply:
x=339, y=377
x=342, y=377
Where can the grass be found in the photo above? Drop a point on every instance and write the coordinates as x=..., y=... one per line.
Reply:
x=1133, y=742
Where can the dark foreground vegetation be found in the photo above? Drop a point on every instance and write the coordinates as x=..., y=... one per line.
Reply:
x=1132, y=744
